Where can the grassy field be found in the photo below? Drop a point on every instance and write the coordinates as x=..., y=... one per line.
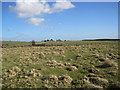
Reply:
x=69, y=64
x=14, y=43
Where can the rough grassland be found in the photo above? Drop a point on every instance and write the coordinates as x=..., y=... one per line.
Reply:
x=75, y=64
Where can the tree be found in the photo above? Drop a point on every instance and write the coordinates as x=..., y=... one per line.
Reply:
x=47, y=40
x=51, y=40
x=33, y=42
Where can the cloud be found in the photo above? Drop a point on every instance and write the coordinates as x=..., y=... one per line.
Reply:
x=32, y=9
x=29, y=9
x=35, y=21
x=60, y=6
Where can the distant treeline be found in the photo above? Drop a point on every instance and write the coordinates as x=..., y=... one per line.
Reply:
x=102, y=40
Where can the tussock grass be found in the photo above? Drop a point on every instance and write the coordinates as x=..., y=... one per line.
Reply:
x=79, y=64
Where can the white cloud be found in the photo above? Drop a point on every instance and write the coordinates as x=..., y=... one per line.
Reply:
x=59, y=6
x=35, y=21
x=32, y=9
x=29, y=9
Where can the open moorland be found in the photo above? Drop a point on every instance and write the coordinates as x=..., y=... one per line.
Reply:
x=62, y=64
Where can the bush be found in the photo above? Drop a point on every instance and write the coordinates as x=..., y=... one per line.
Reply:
x=33, y=43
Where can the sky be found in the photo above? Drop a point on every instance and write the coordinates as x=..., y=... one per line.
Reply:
x=52, y=20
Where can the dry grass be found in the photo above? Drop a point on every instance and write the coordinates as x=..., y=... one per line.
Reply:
x=72, y=65
x=109, y=63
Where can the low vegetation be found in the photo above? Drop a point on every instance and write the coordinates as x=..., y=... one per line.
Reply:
x=64, y=64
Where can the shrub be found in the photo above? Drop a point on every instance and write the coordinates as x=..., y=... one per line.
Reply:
x=33, y=43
